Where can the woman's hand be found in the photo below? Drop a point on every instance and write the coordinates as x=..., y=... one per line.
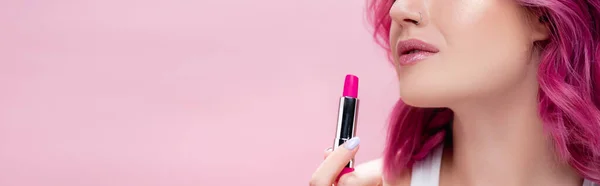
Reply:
x=367, y=174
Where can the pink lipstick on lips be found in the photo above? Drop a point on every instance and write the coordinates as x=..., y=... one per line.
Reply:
x=347, y=116
x=413, y=50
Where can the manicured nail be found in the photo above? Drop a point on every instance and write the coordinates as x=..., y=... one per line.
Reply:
x=352, y=143
x=329, y=149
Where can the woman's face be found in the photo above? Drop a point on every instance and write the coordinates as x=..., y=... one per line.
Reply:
x=464, y=48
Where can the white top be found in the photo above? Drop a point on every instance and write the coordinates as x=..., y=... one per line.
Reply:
x=427, y=171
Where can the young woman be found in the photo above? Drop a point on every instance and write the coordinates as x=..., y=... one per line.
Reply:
x=493, y=93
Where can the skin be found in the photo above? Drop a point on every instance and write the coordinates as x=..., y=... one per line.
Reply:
x=366, y=174
x=485, y=71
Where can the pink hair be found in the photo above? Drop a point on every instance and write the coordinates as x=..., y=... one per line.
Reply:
x=569, y=98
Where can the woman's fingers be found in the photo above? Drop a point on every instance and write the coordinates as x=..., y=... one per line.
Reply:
x=334, y=163
x=366, y=174
x=327, y=152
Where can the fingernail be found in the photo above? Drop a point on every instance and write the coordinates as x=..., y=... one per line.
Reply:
x=329, y=149
x=352, y=143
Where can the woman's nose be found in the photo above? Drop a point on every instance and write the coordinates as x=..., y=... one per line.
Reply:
x=408, y=13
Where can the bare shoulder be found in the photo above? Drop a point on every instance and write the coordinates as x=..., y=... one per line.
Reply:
x=374, y=169
x=402, y=180
x=370, y=167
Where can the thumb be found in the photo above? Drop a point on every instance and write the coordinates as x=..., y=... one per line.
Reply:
x=344, y=153
x=330, y=168
x=327, y=152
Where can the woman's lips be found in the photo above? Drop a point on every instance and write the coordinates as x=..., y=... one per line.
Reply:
x=413, y=50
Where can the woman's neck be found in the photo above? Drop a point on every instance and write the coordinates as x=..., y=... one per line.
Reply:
x=501, y=141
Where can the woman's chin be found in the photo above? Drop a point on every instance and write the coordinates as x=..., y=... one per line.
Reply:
x=425, y=99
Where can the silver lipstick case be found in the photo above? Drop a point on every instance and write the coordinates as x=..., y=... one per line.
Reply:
x=346, y=124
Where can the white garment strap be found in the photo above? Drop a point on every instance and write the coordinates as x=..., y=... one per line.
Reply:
x=427, y=171
x=589, y=183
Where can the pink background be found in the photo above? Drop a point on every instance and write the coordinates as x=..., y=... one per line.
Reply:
x=181, y=92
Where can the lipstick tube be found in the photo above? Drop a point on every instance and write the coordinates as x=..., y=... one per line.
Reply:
x=347, y=114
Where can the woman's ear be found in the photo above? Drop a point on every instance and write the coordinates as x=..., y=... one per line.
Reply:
x=541, y=28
